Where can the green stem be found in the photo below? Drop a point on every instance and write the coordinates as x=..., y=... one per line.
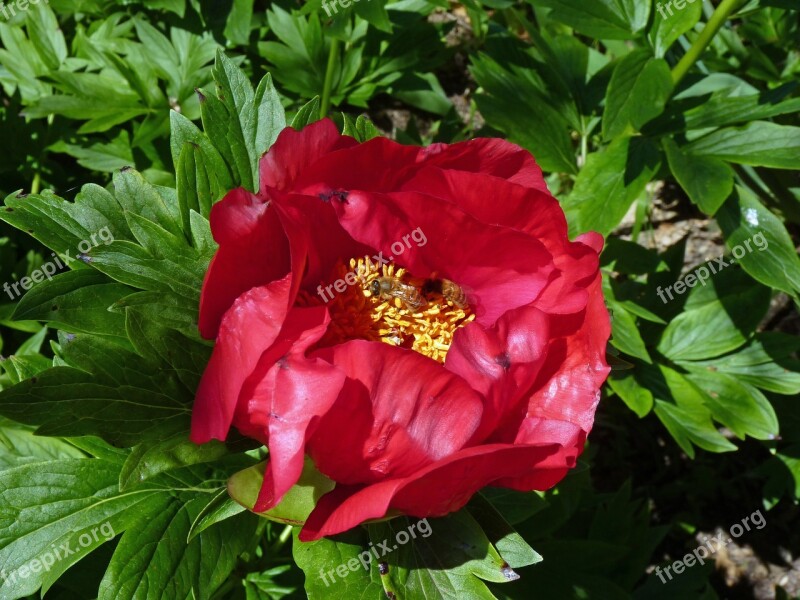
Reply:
x=282, y=539
x=717, y=20
x=37, y=181
x=333, y=54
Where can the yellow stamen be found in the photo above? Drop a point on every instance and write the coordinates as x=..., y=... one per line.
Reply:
x=357, y=314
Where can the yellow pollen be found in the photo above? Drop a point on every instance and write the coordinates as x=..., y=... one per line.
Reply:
x=358, y=315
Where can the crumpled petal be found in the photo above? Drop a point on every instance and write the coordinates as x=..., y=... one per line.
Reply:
x=400, y=412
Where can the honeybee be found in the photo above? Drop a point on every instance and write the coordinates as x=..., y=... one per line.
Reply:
x=448, y=289
x=391, y=287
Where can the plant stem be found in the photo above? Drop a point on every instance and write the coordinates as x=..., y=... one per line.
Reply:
x=333, y=54
x=714, y=24
x=282, y=539
x=37, y=181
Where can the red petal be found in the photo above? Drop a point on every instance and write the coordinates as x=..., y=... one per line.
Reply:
x=562, y=407
x=317, y=237
x=438, y=489
x=294, y=152
x=400, y=412
x=533, y=211
x=253, y=251
x=488, y=157
x=499, y=268
x=247, y=330
x=378, y=165
x=500, y=362
x=285, y=396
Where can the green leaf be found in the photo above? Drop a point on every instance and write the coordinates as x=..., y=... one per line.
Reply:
x=767, y=362
x=333, y=568
x=668, y=24
x=449, y=558
x=637, y=93
x=182, y=131
x=760, y=143
x=744, y=220
x=602, y=19
x=625, y=334
x=609, y=183
x=513, y=549
x=237, y=27
x=220, y=508
x=18, y=446
x=153, y=560
x=197, y=185
x=242, y=123
x=46, y=35
x=106, y=158
x=682, y=408
x=515, y=103
x=308, y=113
x=225, y=131
x=639, y=399
x=720, y=323
x=77, y=302
x=124, y=400
x=150, y=459
x=49, y=504
x=362, y=129
x=707, y=181
x=725, y=108
x=374, y=13
x=68, y=227
x=737, y=405
x=296, y=504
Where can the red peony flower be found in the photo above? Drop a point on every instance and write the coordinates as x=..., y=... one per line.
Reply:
x=413, y=319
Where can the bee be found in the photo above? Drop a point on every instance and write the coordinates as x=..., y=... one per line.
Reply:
x=448, y=289
x=391, y=287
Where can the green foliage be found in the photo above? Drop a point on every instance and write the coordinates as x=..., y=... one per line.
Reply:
x=165, y=105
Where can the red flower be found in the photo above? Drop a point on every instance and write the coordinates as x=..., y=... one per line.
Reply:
x=413, y=403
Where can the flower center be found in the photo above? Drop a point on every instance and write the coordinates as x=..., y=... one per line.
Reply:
x=384, y=303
